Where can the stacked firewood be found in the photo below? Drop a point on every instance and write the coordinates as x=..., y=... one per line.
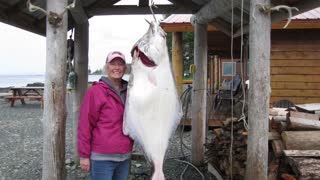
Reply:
x=218, y=151
x=294, y=146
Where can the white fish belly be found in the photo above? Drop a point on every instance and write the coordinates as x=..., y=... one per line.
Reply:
x=152, y=111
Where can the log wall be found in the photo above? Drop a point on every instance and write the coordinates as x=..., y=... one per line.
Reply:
x=295, y=66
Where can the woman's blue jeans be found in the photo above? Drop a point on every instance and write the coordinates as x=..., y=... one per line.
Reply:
x=109, y=170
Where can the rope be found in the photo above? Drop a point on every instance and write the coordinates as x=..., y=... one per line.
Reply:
x=243, y=116
x=231, y=94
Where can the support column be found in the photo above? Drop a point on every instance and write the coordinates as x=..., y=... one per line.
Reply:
x=259, y=91
x=199, y=95
x=216, y=73
x=177, y=59
x=212, y=75
x=54, y=115
x=81, y=37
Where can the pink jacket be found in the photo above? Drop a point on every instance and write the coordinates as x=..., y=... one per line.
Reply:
x=100, y=123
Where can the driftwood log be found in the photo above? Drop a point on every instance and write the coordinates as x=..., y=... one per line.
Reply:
x=301, y=140
x=303, y=124
x=305, y=168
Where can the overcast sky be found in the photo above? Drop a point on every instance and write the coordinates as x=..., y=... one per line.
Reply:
x=22, y=52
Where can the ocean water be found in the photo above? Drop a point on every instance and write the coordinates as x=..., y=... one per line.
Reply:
x=23, y=80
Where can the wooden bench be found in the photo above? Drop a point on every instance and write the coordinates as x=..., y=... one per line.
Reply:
x=12, y=99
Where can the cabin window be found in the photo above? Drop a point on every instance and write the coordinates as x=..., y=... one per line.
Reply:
x=227, y=68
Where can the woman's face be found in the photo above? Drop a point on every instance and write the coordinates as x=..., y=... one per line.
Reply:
x=116, y=68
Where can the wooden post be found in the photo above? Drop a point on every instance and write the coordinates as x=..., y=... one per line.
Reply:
x=177, y=60
x=212, y=75
x=54, y=115
x=81, y=69
x=199, y=96
x=216, y=73
x=259, y=91
x=219, y=72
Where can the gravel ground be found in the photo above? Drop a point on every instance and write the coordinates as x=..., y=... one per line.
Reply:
x=21, y=149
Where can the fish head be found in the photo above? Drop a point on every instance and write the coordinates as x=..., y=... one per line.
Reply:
x=152, y=48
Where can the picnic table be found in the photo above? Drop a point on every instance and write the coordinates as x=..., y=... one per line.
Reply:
x=22, y=93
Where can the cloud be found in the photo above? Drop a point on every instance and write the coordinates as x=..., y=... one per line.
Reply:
x=22, y=52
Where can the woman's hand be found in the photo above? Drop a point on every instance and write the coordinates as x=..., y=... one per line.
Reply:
x=85, y=164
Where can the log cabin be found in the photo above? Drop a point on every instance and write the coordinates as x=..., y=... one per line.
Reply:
x=295, y=55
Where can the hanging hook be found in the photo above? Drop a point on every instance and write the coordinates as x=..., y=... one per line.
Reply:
x=153, y=5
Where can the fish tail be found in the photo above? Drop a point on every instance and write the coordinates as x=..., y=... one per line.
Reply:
x=158, y=172
x=158, y=175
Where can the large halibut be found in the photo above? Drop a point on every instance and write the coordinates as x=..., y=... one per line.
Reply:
x=153, y=108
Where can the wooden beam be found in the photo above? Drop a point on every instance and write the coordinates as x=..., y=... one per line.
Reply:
x=183, y=27
x=194, y=7
x=16, y=8
x=222, y=25
x=131, y=10
x=213, y=9
x=78, y=13
x=259, y=92
x=22, y=23
x=277, y=16
x=54, y=115
x=177, y=59
x=81, y=68
x=199, y=95
x=143, y=3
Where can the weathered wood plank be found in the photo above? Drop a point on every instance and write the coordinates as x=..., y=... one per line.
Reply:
x=295, y=78
x=294, y=63
x=136, y=10
x=54, y=115
x=81, y=68
x=304, y=115
x=295, y=85
x=303, y=124
x=295, y=70
x=298, y=55
x=301, y=140
x=259, y=92
x=302, y=153
x=199, y=95
x=305, y=168
x=295, y=93
x=78, y=13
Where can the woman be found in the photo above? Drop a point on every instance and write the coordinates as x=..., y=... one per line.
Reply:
x=103, y=149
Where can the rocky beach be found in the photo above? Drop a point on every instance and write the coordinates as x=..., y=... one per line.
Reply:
x=21, y=148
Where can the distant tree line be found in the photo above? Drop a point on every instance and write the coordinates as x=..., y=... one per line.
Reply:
x=188, y=46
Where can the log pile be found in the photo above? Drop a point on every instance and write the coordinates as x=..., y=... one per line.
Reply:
x=295, y=155
x=294, y=146
x=218, y=151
